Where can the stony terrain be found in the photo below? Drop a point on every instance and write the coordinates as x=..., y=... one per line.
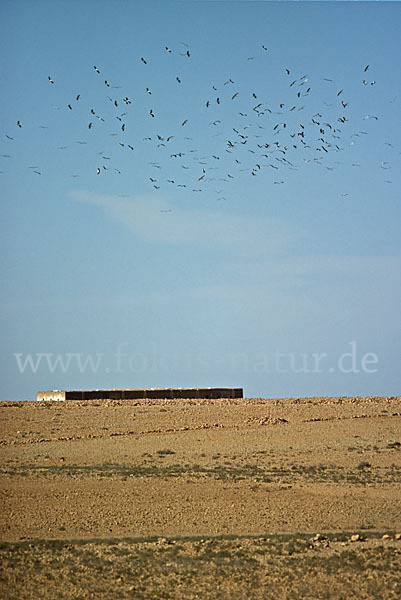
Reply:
x=245, y=498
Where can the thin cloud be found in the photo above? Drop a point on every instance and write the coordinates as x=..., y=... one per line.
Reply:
x=147, y=219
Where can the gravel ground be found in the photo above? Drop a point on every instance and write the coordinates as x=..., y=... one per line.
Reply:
x=201, y=498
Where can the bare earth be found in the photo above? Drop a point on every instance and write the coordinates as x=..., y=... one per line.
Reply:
x=246, y=498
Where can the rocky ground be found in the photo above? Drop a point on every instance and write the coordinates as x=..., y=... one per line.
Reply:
x=246, y=498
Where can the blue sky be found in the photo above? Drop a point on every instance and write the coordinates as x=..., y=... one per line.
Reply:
x=255, y=258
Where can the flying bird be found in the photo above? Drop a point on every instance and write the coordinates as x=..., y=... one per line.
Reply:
x=295, y=140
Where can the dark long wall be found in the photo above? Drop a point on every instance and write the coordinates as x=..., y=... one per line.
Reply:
x=155, y=394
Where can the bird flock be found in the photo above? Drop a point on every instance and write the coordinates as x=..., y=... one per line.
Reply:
x=230, y=133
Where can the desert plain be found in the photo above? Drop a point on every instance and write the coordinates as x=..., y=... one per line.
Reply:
x=248, y=498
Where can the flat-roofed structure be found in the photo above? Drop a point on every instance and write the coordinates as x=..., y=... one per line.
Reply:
x=140, y=394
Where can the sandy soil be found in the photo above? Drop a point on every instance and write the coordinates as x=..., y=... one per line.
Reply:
x=113, y=477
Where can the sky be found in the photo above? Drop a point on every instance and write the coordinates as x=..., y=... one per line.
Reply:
x=224, y=212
